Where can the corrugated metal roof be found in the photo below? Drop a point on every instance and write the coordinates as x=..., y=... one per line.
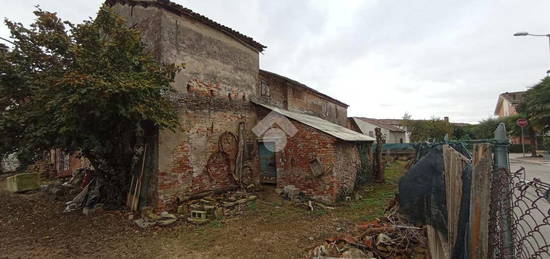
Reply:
x=378, y=123
x=325, y=126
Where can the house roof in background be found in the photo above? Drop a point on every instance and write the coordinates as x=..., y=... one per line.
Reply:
x=325, y=126
x=322, y=95
x=378, y=123
x=180, y=10
x=515, y=98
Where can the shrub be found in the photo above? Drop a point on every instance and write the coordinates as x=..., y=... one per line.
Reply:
x=516, y=148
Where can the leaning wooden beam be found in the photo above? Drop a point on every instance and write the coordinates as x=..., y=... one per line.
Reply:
x=201, y=195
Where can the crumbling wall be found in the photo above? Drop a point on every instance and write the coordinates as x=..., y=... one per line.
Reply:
x=145, y=19
x=346, y=166
x=316, y=163
x=295, y=97
x=213, y=93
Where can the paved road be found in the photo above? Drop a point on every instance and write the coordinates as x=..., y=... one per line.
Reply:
x=534, y=168
x=532, y=215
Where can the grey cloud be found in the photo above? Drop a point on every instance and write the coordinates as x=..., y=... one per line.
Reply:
x=382, y=57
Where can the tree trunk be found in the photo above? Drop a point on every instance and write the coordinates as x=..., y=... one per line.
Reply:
x=534, y=145
x=378, y=165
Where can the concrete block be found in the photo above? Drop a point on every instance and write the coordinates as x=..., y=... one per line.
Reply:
x=23, y=182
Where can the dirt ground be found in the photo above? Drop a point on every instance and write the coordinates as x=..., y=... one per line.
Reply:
x=34, y=225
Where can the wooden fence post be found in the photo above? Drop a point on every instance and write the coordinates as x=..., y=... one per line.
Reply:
x=480, y=201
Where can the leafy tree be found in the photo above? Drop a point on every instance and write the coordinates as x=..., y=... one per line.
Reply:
x=536, y=107
x=427, y=130
x=91, y=87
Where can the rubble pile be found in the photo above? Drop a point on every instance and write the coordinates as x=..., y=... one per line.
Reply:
x=215, y=206
x=388, y=237
x=201, y=210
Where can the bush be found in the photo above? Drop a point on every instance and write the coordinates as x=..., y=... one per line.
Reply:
x=516, y=148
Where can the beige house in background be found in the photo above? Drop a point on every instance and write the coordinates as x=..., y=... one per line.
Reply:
x=507, y=103
x=391, y=133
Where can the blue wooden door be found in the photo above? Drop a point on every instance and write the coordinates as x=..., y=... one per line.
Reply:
x=267, y=162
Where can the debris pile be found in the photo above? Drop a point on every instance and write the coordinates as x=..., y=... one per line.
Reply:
x=149, y=218
x=215, y=206
x=200, y=210
x=388, y=237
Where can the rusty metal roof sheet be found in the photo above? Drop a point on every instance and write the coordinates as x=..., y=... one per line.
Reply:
x=325, y=126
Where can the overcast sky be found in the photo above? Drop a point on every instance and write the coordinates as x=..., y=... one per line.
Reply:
x=382, y=57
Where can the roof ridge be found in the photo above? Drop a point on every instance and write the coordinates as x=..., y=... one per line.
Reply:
x=305, y=86
x=180, y=10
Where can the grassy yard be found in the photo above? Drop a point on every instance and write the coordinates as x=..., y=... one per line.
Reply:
x=375, y=196
x=270, y=227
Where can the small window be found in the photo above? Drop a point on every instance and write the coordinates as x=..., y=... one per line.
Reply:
x=401, y=140
x=371, y=133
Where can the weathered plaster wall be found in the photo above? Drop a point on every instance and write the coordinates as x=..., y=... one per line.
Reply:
x=294, y=97
x=146, y=20
x=214, y=92
x=272, y=91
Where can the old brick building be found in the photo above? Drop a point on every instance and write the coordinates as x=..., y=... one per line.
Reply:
x=222, y=95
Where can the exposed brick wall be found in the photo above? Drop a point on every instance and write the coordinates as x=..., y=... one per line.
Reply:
x=339, y=160
x=201, y=161
x=294, y=97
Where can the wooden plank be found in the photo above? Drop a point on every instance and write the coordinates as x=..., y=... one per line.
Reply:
x=437, y=243
x=480, y=201
x=454, y=164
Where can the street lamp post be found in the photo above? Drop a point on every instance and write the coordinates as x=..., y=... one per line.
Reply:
x=536, y=35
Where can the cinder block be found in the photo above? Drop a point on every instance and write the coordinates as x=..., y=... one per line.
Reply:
x=23, y=182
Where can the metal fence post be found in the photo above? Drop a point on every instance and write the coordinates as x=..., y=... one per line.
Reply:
x=502, y=162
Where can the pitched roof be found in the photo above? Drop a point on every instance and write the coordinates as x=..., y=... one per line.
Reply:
x=378, y=123
x=325, y=126
x=322, y=95
x=393, y=122
x=515, y=98
x=180, y=10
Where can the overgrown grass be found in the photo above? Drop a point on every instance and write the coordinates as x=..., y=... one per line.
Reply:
x=375, y=197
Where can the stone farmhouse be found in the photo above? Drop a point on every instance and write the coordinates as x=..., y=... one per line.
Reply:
x=227, y=107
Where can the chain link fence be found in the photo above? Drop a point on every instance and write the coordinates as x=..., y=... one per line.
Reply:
x=519, y=220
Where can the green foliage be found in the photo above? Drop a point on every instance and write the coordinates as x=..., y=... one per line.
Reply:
x=428, y=130
x=486, y=128
x=91, y=87
x=517, y=148
x=252, y=205
x=536, y=106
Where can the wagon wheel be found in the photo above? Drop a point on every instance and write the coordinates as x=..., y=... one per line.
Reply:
x=218, y=165
x=227, y=143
